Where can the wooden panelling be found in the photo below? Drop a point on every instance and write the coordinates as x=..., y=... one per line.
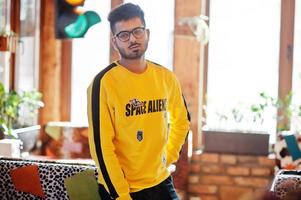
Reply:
x=190, y=62
x=286, y=48
x=66, y=73
x=15, y=26
x=188, y=8
x=50, y=66
x=115, y=3
x=188, y=68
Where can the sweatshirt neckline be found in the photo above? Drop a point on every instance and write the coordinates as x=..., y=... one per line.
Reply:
x=133, y=73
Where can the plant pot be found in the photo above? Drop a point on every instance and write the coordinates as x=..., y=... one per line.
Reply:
x=4, y=43
x=1, y=135
x=8, y=43
x=28, y=136
x=236, y=142
x=10, y=148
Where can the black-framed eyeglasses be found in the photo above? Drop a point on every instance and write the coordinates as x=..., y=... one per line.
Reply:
x=137, y=32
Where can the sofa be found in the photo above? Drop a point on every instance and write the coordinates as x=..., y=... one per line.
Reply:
x=287, y=185
x=22, y=179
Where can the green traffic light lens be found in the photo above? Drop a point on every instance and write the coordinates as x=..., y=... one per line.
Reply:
x=92, y=17
x=78, y=28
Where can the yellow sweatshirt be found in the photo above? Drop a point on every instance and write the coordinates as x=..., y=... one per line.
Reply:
x=137, y=125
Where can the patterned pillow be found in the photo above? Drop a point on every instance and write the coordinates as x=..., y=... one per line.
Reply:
x=27, y=179
x=287, y=150
x=287, y=182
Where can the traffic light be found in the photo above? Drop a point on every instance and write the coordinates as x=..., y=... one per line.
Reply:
x=71, y=22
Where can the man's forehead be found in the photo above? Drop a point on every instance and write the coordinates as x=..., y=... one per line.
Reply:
x=128, y=24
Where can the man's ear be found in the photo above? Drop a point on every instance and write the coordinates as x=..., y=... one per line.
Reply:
x=148, y=33
x=113, y=41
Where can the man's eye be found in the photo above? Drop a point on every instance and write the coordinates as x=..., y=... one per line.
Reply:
x=138, y=31
x=123, y=35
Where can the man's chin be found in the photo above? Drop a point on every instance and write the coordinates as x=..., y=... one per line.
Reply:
x=133, y=56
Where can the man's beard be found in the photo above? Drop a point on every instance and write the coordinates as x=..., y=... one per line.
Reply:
x=134, y=54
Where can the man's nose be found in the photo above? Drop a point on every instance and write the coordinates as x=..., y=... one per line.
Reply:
x=132, y=37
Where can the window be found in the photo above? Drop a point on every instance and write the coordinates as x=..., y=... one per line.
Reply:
x=27, y=55
x=242, y=61
x=89, y=56
x=5, y=6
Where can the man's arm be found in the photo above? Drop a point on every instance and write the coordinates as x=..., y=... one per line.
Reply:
x=101, y=135
x=179, y=123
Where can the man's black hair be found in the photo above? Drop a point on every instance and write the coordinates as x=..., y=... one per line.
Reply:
x=125, y=12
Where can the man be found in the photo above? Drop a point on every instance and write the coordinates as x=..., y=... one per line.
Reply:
x=138, y=120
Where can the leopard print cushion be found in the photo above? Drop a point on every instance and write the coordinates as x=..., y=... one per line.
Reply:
x=285, y=184
x=52, y=175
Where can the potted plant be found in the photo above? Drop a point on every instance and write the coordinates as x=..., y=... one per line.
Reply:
x=18, y=114
x=288, y=139
x=254, y=141
x=240, y=130
x=288, y=112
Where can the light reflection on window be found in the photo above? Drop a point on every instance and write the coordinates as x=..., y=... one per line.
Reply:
x=243, y=61
x=27, y=55
x=5, y=6
x=89, y=56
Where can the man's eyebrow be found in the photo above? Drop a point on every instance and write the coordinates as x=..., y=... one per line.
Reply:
x=130, y=29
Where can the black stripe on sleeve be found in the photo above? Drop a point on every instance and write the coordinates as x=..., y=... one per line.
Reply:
x=96, y=128
x=188, y=115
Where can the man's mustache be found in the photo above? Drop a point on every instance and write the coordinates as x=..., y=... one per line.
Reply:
x=134, y=44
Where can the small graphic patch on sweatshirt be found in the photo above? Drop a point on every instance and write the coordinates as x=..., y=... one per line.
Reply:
x=139, y=135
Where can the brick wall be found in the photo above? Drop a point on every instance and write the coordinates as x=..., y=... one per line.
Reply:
x=229, y=177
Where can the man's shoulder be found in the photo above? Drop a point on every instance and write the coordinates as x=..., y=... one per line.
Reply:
x=163, y=70
x=154, y=64
x=101, y=75
x=103, y=72
x=160, y=67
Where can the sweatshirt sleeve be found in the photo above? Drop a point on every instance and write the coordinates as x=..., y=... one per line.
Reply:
x=101, y=136
x=179, y=123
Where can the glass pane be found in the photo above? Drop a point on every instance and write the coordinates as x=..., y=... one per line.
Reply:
x=4, y=27
x=161, y=29
x=243, y=61
x=89, y=56
x=4, y=15
x=27, y=62
x=296, y=122
x=4, y=68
